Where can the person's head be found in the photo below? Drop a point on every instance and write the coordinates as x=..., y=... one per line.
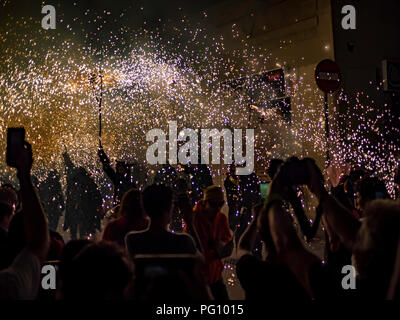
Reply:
x=368, y=189
x=131, y=205
x=8, y=204
x=376, y=244
x=121, y=167
x=9, y=195
x=56, y=245
x=213, y=199
x=157, y=202
x=100, y=271
x=273, y=167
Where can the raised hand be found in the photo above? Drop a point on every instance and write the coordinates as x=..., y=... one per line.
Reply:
x=316, y=181
x=24, y=160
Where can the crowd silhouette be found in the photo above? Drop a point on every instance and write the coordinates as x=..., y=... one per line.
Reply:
x=171, y=233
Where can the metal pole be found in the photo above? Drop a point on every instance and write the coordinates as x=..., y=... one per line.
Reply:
x=327, y=160
x=100, y=100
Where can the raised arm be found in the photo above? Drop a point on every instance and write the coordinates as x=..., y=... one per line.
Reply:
x=340, y=219
x=289, y=246
x=35, y=223
x=105, y=161
x=248, y=239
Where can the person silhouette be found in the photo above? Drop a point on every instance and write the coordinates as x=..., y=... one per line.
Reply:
x=121, y=177
x=84, y=201
x=52, y=197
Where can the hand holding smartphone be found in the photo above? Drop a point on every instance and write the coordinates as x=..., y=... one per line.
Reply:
x=19, y=152
x=15, y=143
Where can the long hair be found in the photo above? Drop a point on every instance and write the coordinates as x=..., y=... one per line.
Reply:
x=132, y=205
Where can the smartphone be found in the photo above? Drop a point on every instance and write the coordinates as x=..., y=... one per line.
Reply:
x=264, y=190
x=15, y=142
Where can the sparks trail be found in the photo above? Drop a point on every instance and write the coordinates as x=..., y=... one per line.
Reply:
x=151, y=78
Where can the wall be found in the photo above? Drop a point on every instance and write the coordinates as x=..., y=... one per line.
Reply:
x=359, y=54
x=297, y=34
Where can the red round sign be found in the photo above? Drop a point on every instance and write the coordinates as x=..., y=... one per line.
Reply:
x=327, y=76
